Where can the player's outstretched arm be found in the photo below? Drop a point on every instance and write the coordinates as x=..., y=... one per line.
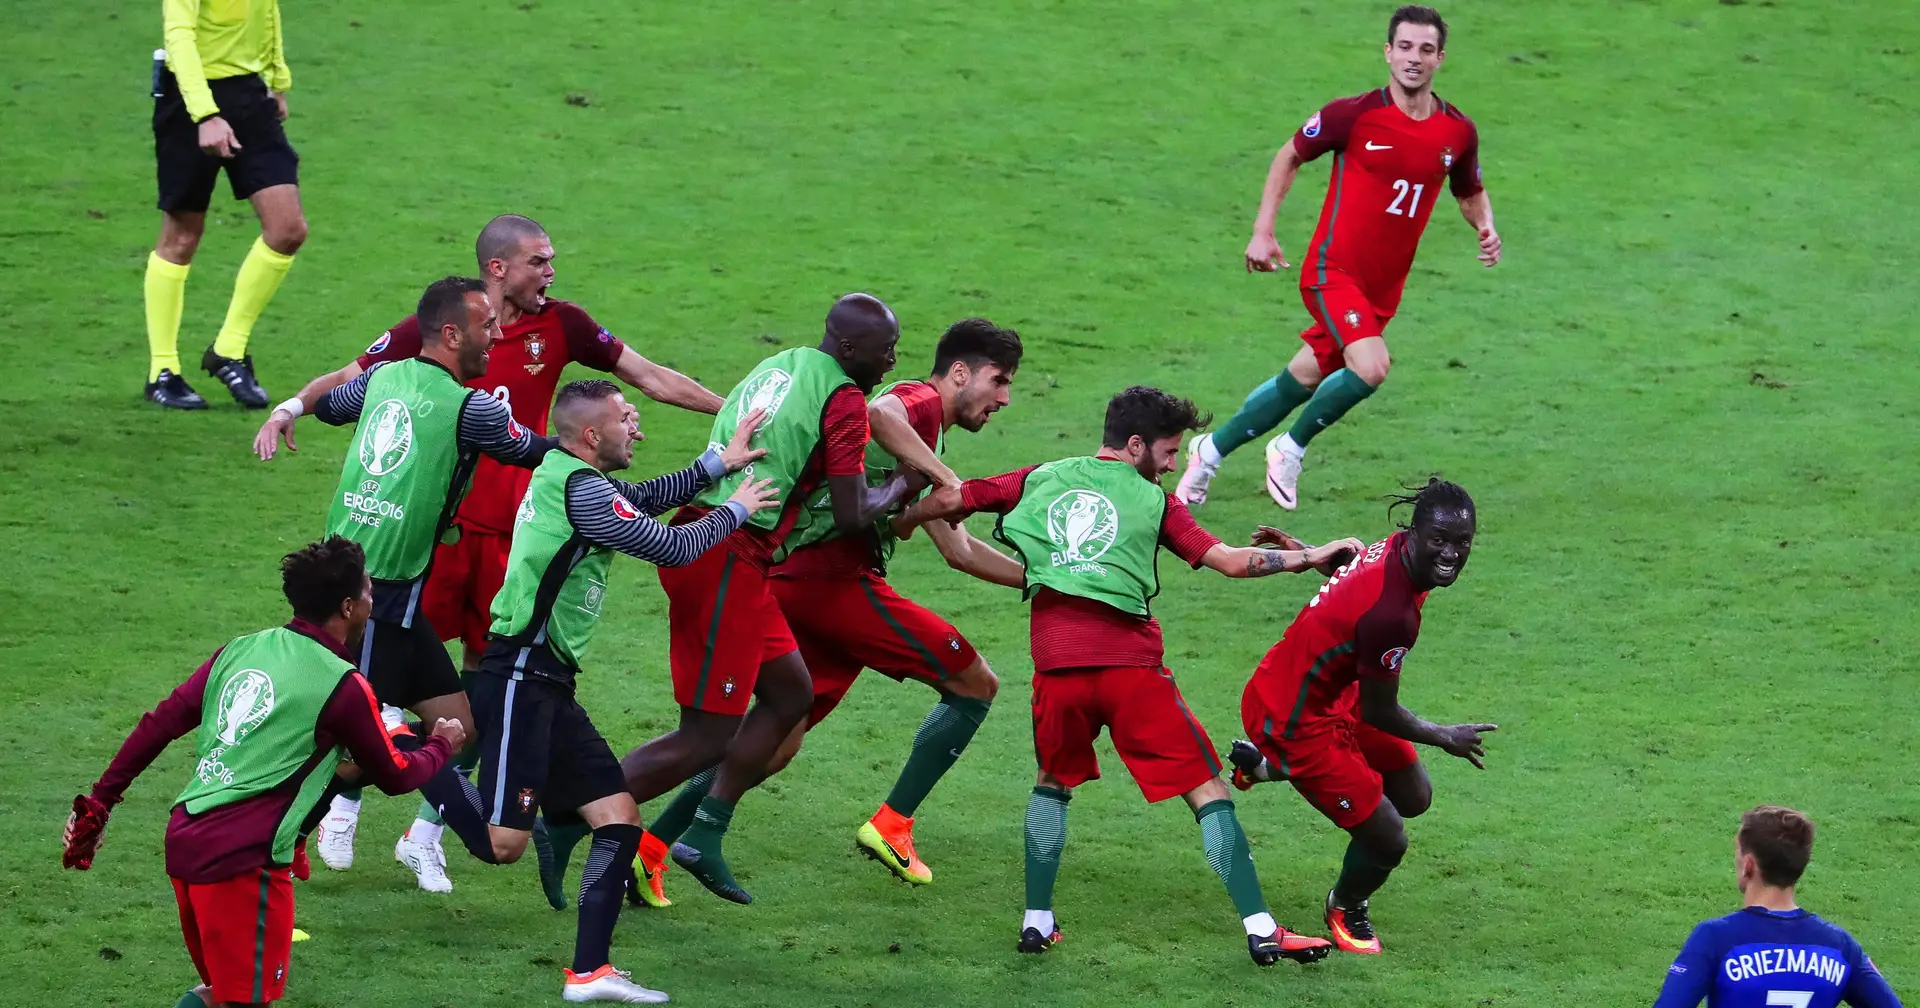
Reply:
x=968, y=554
x=887, y=416
x=1259, y=561
x=352, y=717
x=488, y=425
x=665, y=385
x=944, y=504
x=1263, y=252
x=594, y=513
x=1380, y=707
x=279, y=424
x=1478, y=210
x=176, y=716
x=856, y=506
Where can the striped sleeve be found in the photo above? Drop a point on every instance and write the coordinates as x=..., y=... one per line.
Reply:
x=488, y=426
x=606, y=517
x=342, y=403
x=661, y=494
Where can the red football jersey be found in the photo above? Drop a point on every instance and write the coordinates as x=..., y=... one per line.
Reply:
x=1359, y=626
x=523, y=371
x=1387, y=171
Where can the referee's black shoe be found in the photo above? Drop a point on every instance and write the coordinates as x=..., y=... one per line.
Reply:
x=237, y=376
x=173, y=392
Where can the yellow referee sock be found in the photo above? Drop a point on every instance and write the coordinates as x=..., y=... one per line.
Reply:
x=259, y=278
x=166, y=296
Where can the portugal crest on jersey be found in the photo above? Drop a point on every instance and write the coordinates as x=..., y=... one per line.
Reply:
x=1446, y=158
x=535, y=347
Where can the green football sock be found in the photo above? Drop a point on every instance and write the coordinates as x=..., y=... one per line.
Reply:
x=942, y=737
x=699, y=850
x=1340, y=392
x=1263, y=410
x=190, y=1000
x=1046, y=838
x=350, y=794
x=1360, y=876
x=674, y=819
x=1227, y=853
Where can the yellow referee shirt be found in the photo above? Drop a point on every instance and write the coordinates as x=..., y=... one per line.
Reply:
x=215, y=39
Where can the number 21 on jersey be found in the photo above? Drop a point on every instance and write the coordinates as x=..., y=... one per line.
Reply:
x=1402, y=189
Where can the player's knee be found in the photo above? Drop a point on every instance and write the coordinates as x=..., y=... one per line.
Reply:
x=177, y=245
x=507, y=850
x=286, y=237
x=976, y=683
x=1414, y=801
x=1373, y=371
x=1386, y=850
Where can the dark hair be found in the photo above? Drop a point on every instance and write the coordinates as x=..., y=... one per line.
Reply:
x=317, y=576
x=502, y=235
x=445, y=303
x=1780, y=839
x=574, y=395
x=1418, y=14
x=1150, y=413
x=1437, y=495
x=976, y=341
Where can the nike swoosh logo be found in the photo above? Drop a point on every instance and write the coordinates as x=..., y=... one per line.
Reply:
x=1373, y=146
x=904, y=863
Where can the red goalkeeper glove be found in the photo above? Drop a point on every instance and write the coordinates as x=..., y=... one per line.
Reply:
x=86, y=828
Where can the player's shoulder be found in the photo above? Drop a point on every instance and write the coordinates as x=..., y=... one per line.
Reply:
x=1341, y=113
x=1453, y=113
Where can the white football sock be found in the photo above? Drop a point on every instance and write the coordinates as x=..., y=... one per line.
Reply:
x=1288, y=445
x=349, y=807
x=424, y=832
x=1261, y=924
x=1209, y=455
x=1039, y=920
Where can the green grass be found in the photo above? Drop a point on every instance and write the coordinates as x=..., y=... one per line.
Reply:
x=1679, y=403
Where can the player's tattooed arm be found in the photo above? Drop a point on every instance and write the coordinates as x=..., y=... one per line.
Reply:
x=1380, y=707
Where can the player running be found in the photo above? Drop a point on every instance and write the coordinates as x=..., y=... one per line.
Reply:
x=539, y=749
x=273, y=713
x=1089, y=530
x=846, y=617
x=1771, y=952
x=539, y=336
x=1323, y=707
x=730, y=642
x=1392, y=148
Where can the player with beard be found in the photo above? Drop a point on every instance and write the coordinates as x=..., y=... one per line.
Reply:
x=1323, y=707
x=834, y=592
x=539, y=336
x=274, y=713
x=1089, y=530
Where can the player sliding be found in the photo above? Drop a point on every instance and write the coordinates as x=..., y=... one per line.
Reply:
x=834, y=592
x=730, y=643
x=1089, y=530
x=272, y=714
x=1323, y=707
x=538, y=748
x=1392, y=148
x=539, y=336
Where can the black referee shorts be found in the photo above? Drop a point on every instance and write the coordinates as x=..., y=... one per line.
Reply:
x=187, y=173
x=538, y=749
x=406, y=664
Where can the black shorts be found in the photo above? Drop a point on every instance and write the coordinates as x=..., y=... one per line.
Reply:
x=406, y=664
x=538, y=749
x=187, y=174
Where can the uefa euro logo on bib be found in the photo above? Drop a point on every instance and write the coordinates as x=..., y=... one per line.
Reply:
x=1083, y=525
x=388, y=437
x=766, y=392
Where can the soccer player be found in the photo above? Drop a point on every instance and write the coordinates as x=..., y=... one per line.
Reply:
x=1771, y=952
x=1323, y=707
x=539, y=336
x=1393, y=148
x=540, y=749
x=218, y=102
x=1089, y=530
x=729, y=641
x=846, y=617
x=272, y=713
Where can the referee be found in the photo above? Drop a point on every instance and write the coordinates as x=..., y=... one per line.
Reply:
x=218, y=102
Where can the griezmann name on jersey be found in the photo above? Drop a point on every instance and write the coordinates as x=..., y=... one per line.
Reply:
x=1760, y=958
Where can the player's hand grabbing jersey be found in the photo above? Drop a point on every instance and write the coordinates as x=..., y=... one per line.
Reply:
x=523, y=370
x=614, y=513
x=1387, y=174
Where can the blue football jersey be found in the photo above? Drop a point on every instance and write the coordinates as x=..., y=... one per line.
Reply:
x=1760, y=958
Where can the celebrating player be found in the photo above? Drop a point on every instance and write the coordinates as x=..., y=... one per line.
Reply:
x=1089, y=530
x=539, y=747
x=273, y=712
x=218, y=102
x=729, y=639
x=1392, y=150
x=539, y=336
x=1323, y=707
x=835, y=596
x=1771, y=952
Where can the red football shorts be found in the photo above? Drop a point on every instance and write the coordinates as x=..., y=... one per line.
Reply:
x=1335, y=762
x=1342, y=314
x=466, y=575
x=240, y=933
x=848, y=624
x=724, y=623
x=1156, y=735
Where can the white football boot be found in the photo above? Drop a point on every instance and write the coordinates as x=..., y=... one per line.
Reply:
x=334, y=837
x=608, y=984
x=1283, y=471
x=427, y=861
x=1192, y=490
